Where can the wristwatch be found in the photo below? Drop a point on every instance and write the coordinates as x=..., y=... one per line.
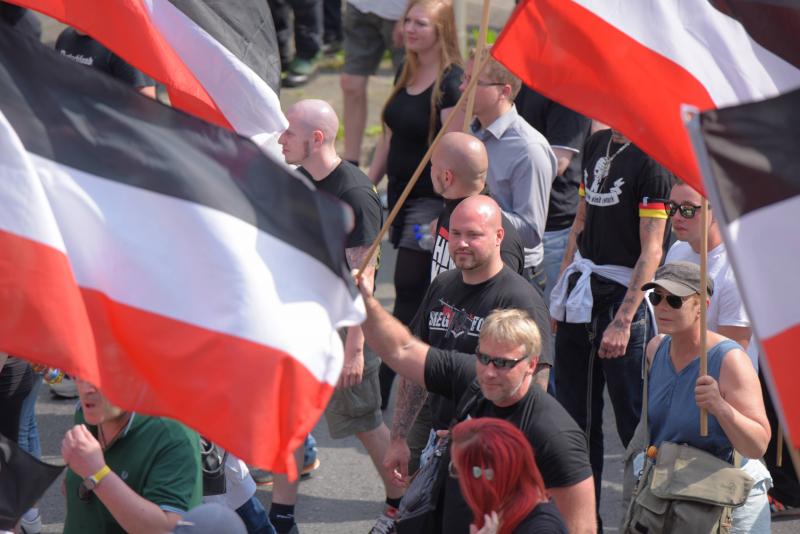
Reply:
x=91, y=482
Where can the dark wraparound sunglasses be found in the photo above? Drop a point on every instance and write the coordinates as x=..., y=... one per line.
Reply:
x=687, y=210
x=673, y=300
x=499, y=363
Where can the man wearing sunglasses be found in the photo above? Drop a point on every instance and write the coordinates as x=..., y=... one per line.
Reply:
x=127, y=472
x=499, y=377
x=726, y=313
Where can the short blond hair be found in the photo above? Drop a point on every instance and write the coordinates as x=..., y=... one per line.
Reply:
x=496, y=72
x=513, y=327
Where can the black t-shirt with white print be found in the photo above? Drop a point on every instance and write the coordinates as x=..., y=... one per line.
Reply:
x=636, y=187
x=452, y=313
x=511, y=249
x=559, y=445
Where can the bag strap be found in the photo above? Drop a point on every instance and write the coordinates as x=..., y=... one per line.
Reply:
x=644, y=390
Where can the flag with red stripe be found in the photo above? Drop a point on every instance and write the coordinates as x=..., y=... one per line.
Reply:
x=754, y=183
x=633, y=65
x=165, y=259
x=218, y=60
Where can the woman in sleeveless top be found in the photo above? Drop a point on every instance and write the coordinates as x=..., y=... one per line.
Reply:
x=499, y=479
x=730, y=391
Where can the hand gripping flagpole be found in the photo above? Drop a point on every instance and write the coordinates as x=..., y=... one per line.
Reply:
x=479, y=48
x=393, y=214
x=704, y=307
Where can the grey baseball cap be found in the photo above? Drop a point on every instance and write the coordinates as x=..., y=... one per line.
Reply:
x=681, y=278
x=210, y=518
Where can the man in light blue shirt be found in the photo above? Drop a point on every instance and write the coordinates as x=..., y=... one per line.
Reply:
x=522, y=166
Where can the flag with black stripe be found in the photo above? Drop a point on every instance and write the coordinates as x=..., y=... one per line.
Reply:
x=217, y=58
x=167, y=260
x=754, y=182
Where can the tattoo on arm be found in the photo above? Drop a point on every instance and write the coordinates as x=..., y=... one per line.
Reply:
x=410, y=399
x=651, y=231
x=355, y=257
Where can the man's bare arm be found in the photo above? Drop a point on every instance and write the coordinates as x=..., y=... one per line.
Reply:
x=563, y=158
x=410, y=399
x=577, y=506
x=651, y=235
x=353, y=367
x=572, y=240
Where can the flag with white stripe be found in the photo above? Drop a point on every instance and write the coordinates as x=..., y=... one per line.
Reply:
x=633, y=65
x=754, y=183
x=165, y=259
x=218, y=60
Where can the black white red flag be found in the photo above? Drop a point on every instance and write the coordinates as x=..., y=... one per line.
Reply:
x=165, y=259
x=633, y=65
x=753, y=178
x=218, y=59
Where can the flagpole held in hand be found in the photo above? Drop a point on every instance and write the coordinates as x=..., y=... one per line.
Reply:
x=393, y=214
x=479, y=48
x=704, y=307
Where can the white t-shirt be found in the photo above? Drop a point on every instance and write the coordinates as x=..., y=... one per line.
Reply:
x=386, y=9
x=726, y=307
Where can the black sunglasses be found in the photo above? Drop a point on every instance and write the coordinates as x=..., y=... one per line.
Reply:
x=499, y=363
x=673, y=300
x=687, y=210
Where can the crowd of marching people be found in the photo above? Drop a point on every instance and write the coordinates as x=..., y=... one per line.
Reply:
x=542, y=260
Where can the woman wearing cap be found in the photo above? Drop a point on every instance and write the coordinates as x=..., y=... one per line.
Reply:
x=730, y=391
x=499, y=479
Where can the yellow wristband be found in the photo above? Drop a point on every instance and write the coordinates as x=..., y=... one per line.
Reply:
x=100, y=475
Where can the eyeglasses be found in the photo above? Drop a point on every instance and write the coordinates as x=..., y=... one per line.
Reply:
x=673, y=300
x=499, y=363
x=477, y=472
x=687, y=210
x=479, y=83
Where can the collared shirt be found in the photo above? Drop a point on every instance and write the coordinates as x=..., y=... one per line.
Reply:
x=158, y=458
x=522, y=167
x=386, y=9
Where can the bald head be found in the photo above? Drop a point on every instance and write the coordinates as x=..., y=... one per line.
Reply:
x=314, y=114
x=465, y=158
x=476, y=232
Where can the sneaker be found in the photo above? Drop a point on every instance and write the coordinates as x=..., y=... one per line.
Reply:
x=330, y=48
x=778, y=509
x=31, y=522
x=265, y=478
x=301, y=71
x=385, y=523
x=66, y=389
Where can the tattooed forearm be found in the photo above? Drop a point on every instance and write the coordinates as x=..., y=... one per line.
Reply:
x=651, y=231
x=409, y=402
x=355, y=257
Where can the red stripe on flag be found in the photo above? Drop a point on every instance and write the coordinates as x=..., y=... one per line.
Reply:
x=126, y=28
x=574, y=57
x=781, y=356
x=252, y=399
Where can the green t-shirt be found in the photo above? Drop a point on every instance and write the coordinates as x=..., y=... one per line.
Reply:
x=157, y=457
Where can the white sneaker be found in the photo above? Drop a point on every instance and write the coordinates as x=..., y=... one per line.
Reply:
x=31, y=522
x=65, y=389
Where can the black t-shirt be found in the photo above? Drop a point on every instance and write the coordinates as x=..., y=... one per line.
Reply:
x=511, y=249
x=350, y=185
x=408, y=117
x=86, y=51
x=563, y=128
x=16, y=377
x=543, y=519
x=636, y=187
x=559, y=445
x=451, y=315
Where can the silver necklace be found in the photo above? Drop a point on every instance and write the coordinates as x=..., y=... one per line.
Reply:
x=606, y=167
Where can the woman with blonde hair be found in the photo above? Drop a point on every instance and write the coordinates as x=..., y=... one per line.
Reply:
x=425, y=92
x=499, y=479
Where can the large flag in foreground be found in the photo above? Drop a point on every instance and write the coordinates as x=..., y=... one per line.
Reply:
x=165, y=259
x=218, y=60
x=634, y=64
x=754, y=183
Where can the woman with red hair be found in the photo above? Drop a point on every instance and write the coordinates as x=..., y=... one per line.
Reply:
x=500, y=481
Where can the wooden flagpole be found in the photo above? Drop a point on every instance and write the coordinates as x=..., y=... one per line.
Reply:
x=393, y=214
x=480, y=46
x=704, y=307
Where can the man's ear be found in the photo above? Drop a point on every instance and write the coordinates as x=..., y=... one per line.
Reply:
x=501, y=233
x=318, y=138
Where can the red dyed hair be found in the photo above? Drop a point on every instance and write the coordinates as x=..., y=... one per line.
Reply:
x=516, y=486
